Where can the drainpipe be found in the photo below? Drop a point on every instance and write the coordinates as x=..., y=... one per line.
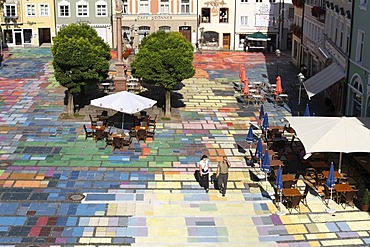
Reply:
x=235, y=24
x=348, y=61
x=301, y=51
x=196, y=34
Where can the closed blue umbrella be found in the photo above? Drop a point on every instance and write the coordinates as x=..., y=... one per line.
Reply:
x=250, y=136
x=330, y=182
x=262, y=113
x=259, y=149
x=307, y=111
x=266, y=163
x=265, y=124
x=279, y=180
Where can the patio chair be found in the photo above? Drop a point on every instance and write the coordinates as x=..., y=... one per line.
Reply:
x=305, y=193
x=126, y=143
x=153, y=121
x=312, y=176
x=108, y=140
x=293, y=203
x=288, y=184
x=132, y=132
x=141, y=135
x=151, y=132
x=347, y=198
x=88, y=133
x=93, y=122
x=117, y=143
x=99, y=135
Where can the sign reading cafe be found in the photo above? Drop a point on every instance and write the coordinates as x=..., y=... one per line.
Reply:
x=154, y=17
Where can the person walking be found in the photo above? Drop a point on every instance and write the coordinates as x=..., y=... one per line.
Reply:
x=223, y=175
x=204, y=169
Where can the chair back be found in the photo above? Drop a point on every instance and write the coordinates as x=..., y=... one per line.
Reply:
x=288, y=184
x=350, y=195
x=85, y=128
x=141, y=135
x=295, y=201
x=99, y=135
x=116, y=142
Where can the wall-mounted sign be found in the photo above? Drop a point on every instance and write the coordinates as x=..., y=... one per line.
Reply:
x=154, y=17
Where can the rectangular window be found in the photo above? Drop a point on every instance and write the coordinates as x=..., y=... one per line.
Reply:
x=125, y=6
x=31, y=9
x=243, y=1
x=206, y=15
x=165, y=7
x=272, y=1
x=82, y=10
x=185, y=7
x=348, y=34
x=44, y=10
x=258, y=1
x=244, y=20
x=295, y=49
x=64, y=10
x=341, y=35
x=224, y=15
x=10, y=10
x=101, y=10
x=144, y=7
x=363, y=3
x=360, y=46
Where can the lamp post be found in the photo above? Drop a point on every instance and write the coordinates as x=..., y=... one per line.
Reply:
x=278, y=53
x=301, y=78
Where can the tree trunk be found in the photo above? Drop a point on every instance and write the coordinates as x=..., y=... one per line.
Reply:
x=70, y=105
x=167, y=109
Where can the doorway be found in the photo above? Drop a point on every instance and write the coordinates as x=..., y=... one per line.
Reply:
x=44, y=36
x=18, y=37
x=186, y=32
x=226, y=41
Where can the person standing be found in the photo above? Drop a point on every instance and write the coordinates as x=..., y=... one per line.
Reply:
x=204, y=169
x=223, y=175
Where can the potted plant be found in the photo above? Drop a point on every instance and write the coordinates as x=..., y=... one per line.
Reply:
x=365, y=201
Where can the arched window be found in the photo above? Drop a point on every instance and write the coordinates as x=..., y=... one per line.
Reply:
x=165, y=28
x=357, y=95
x=143, y=32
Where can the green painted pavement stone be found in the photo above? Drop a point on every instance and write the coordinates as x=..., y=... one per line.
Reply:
x=160, y=164
x=166, y=152
x=166, y=158
x=207, y=207
x=24, y=163
x=85, y=163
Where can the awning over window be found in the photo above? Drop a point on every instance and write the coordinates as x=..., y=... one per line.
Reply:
x=324, y=79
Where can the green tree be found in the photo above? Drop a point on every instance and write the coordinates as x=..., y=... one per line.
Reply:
x=164, y=59
x=80, y=58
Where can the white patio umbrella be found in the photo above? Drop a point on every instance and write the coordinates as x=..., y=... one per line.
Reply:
x=124, y=102
x=332, y=134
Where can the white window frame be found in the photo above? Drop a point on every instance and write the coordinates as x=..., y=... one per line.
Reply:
x=101, y=9
x=360, y=46
x=125, y=6
x=363, y=4
x=348, y=37
x=341, y=35
x=144, y=6
x=13, y=8
x=243, y=20
x=243, y=1
x=164, y=7
x=64, y=4
x=30, y=10
x=44, y=10
x=185, y=7
x=81, y=12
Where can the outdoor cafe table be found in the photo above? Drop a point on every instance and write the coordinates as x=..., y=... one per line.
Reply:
x=336, y=174
x=319, y=164
x=341, y=188
x=98, y=127
x=278, y=128
x=363, y=161
x=122, y=136
x=291, y=192
x=141, y=127
x=276, y=163
x=287, y=177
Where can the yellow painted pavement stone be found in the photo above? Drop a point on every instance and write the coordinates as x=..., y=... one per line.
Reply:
x=167, y=231
x=321, y=236
x=296, y=229
x=342, y=242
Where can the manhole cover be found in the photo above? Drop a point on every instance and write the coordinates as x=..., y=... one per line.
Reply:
x=4, y=165
x=76, y=197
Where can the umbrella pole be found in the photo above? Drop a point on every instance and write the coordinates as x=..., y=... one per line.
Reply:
x=280, y=212
x=329, y=209
x=340, y=162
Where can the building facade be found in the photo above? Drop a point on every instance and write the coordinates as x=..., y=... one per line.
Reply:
x=28, y=23
x=97, y=14
x=271, y=18
x=142, y=17
x=358, y=96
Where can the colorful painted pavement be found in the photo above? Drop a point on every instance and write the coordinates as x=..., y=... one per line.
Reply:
x=60, y=189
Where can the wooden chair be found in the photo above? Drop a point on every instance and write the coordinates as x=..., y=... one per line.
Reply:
x=141, y=135
x=126, y=143
x=153, y=121
x=293, y=203
x=88, y=133
x=132, y=132
x=108, y=140
x=288, y=184
x=117, y=143
x=347, y=198
x=305, y=193
x=312, y=176
x=99, y=135
x=151, y=132
x=93, y=122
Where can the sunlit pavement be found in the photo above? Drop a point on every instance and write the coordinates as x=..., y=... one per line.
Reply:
x=61, y=189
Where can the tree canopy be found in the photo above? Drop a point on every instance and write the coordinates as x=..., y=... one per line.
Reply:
x=164, y=59
x=81, y=58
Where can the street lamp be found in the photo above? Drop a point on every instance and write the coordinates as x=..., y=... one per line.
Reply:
x=278, y=53
x=301, y=78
